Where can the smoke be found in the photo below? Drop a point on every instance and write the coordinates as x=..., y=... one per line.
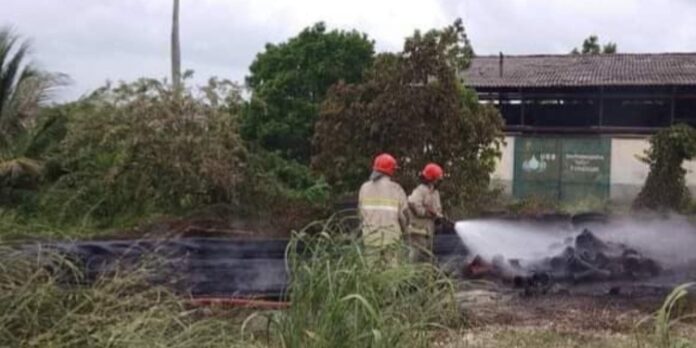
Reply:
x=670, y=241
x=512, y=239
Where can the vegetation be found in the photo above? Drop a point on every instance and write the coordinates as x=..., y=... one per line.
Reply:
x=131, y=151
x=412, y=105
x=591, y=46
x=340, y=299
x=22, y=86
x=139, y=148
x=37, y=309
x=674, y=311
x=24, y=89
x=288, y=81
x=665, y=187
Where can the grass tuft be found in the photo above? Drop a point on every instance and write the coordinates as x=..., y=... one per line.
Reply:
x=341, y=298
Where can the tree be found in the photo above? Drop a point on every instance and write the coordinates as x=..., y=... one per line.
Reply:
x=413, y=105
x=289, y=81
x=591, y=46
x=665, y=187
x=176, y=48
x=23, y=90
x=22, y=163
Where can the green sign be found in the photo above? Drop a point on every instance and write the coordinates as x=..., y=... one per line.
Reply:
x=564, y=169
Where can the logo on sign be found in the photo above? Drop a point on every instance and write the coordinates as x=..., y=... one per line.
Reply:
x=538, y=165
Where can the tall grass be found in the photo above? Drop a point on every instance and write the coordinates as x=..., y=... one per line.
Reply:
x=674, y=310
x=341, y=298
x=42, y=308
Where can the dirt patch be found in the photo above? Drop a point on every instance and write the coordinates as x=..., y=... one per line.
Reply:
x=500, y=317
x=564, y=312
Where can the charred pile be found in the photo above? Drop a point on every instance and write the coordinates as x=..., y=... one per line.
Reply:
x=585, y=258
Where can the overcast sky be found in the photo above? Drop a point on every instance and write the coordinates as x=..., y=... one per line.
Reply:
x=96, y=40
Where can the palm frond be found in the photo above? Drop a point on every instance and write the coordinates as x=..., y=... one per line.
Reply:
x=47, y=132
x=15, y=168
x=13, y=64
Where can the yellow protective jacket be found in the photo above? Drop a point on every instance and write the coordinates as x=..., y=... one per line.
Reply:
x=383, y=211
x=423, y=199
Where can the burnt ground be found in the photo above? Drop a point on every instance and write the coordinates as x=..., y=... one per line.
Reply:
x=204, y=227
x=586, y=316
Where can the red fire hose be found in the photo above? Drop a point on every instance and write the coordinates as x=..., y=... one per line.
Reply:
x=232, y=302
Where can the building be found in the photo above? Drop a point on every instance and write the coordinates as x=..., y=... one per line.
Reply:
x=577, y=124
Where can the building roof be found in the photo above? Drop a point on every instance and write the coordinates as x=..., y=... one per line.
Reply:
x=661, y=69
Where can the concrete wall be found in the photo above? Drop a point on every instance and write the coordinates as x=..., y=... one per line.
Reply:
x=505, y=167
x=627, y=172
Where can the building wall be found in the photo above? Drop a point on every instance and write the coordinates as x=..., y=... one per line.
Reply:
x=627, y=172
x=505, y=167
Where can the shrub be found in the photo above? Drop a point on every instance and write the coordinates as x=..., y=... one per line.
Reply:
x=665, y=187
x=283, y=191
x=140, y=148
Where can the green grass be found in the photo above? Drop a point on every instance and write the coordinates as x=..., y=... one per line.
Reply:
x=676, y=309
x=342, y=298
x=339, y=299
x=37, y=309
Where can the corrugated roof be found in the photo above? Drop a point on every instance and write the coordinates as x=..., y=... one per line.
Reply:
x=649, y=69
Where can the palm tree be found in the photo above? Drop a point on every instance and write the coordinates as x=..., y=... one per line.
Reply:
x=23, y=89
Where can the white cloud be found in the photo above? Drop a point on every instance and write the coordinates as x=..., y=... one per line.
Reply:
x=556, y=26
x=95, y=40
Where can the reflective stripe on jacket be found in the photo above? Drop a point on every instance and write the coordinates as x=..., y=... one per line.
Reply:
x=423, y=198
x=384, y=212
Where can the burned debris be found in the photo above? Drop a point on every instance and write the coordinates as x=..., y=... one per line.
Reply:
x=584, y=258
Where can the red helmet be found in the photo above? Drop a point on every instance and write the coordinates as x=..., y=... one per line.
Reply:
x=385, y=164
x=432, y=172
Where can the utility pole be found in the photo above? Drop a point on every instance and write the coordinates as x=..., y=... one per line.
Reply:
x=176, y=49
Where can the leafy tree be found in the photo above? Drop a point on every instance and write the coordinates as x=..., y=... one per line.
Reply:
x=665, y=187
x=412, y=105
x=289, y=80
x=591, y=46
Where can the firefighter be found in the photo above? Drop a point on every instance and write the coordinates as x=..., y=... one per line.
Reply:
x=383, y=210
x=425, y=208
